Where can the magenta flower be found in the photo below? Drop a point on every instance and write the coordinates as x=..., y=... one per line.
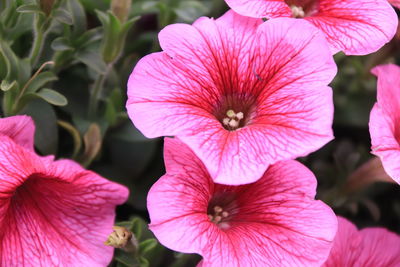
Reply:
x=19, y=128
x=356, y=27
x=368, y=247
x=240, y=93
x=52, y=213
x=272, y=222
x=384, y=123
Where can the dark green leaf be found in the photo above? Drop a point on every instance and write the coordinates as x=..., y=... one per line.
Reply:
x=92, y=60
x=52, y=97
x=147, y=245
x=40, y=80
x=78, y=17
x=61, y=44
x=46, y=134
x=29, y=8
x=63, y=16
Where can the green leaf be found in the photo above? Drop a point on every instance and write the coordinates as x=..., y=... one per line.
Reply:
x=52, y=97
x=40, y=80
x=147, y=245
x=5, y=85
x=61, y=44
x=46, y=134
x=143, y=262
x=89, y=37
x=29, y=8
x=78, y=17
x=188, y=11
x=92, y=60
x=138, y=224
x=63, y=16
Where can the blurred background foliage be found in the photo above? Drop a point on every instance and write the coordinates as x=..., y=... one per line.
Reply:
x=66, y=64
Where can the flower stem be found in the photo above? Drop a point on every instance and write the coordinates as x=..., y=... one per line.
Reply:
x=97, y=89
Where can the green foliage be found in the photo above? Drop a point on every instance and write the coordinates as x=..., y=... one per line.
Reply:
x=68, y=66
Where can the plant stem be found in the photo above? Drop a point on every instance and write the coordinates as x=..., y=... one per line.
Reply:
x=97, y=89
x=22, y=92
x=39, y=36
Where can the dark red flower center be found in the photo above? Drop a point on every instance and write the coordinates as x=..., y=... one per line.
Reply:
x=222, y=208
x=235, y=111
x=303, y=8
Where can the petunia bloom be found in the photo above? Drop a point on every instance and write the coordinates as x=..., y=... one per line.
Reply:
x=369, y=247
x=19, y=128
x=241, y=93
x=384, y=124
x=273, y=222
x=356, y=27
x=52, y=213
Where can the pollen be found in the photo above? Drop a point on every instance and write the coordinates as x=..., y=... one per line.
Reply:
x=297, y=11
x=232, y=121
x=219, y=215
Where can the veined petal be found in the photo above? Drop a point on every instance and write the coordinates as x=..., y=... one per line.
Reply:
x=275, y=218
x=384, y=122
x=19, y=128
x=260, y=8
x=53, y=213
x=356, y=27
x=368, y=247
x=265, y=72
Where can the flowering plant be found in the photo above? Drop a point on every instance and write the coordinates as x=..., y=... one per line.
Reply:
x=199, y=133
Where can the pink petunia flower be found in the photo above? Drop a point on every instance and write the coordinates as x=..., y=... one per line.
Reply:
x=384, y=123
x=370, y=247
x=19, y=128
x=52, y=213
x=272, y=222
x=356, y=27
x=241, y=93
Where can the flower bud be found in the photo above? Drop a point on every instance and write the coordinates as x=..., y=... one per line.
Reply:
x=119, y=238
x=121, y=8
x=46, y=6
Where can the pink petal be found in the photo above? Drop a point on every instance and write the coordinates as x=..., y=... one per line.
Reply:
x=260, y=8
x=368, y=247
x=19, y=128
x=356, y=27
x=346, y=248
x=281, y=67
x=380, y=247
x=384, y=120
x=295, y=110
x=53, y=213
x=278, y=219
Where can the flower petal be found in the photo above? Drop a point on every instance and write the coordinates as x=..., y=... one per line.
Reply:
x=384, y=119
x=356, y=27
x=278, y=219
x=53, y=213
x=380, y=247
x=260, y=9
x=20, y=128
x=346, y=246
x=295, y=107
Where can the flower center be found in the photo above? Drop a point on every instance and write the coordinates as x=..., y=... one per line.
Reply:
x=232, y=121
x=297, y=11
x=218, y=215
x=303, y=8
